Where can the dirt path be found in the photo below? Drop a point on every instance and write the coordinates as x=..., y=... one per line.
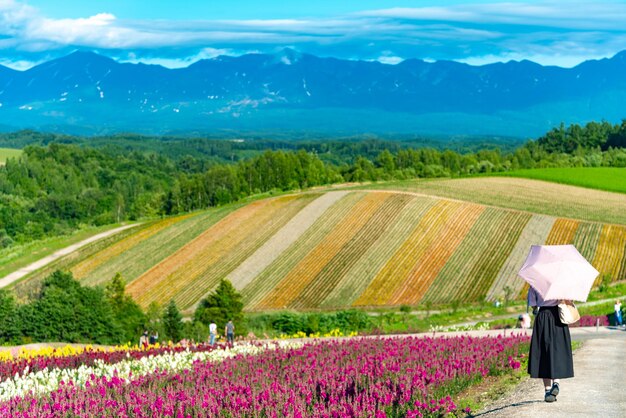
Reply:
x=18, y=274
x=595, y=391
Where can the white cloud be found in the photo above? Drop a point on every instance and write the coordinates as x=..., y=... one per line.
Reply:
x=20, y=65
x=386, y=59
x=560, y=14
x=205, y=53
x=550, y=32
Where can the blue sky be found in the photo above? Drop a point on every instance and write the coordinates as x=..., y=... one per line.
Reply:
x=551, y=32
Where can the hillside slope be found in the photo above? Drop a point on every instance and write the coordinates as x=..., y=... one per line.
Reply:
x=341, y=248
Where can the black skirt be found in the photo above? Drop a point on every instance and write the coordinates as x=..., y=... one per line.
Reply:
x=550, y=347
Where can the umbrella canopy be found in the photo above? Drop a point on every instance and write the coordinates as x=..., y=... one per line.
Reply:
x=558, y=272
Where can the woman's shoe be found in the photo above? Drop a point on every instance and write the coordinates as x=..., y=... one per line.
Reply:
x=555, y=390
x=550, y=397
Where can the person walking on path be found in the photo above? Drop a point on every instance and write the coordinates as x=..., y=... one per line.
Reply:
x=212, y=332
x=550, y=355
x=229, y=330
x=618, y=313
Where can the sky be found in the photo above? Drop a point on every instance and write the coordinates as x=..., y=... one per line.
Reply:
x=178, y=33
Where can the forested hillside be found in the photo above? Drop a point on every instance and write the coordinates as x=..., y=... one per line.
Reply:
x=55, y=187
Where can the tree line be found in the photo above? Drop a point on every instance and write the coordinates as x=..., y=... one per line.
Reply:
x=56, y=188
x=64, y=310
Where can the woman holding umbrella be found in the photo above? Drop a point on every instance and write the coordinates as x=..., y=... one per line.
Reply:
x=550, y=356
x=555, y=273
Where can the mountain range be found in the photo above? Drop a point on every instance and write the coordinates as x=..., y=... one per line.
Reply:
x=85, y=92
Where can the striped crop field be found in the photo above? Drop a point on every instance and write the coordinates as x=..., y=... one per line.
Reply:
x=535, y=196
x=29, y=285
x=269, y=278
x=192, y=271
x=343, y=248
x=292, y=285
x=92, y=263
x=146, y=249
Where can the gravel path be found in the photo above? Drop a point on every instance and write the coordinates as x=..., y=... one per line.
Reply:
x=595, y=391
x=18, y=274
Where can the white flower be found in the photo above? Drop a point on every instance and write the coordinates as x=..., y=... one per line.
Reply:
x=46, y=381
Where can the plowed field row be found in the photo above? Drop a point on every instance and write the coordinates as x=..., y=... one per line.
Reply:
x=501, y=245
x=189, y=267
x=362, y=273
x=563, y=232
x=458, y=267
x=269, y=278
x=586, y=239
x=193, y=292
x=297, y=279
x=283, y=239
x=402, y=262
x=89, y=264
x=435, y=257
x=27, y=287
x=535, y=232
x=138, y=259
x=533, y=196
x=610, y=252
x=323, y=284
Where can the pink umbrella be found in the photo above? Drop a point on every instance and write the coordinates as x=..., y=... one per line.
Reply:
x=558, y=272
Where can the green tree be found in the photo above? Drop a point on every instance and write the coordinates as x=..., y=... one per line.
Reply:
x=172, y=322
x=222, y=305
x=128, y=315
x=66, y=311
x=386, y=162
x=9, y=329
x=153, y=318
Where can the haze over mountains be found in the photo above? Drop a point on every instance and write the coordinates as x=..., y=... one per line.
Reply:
x=292, y=92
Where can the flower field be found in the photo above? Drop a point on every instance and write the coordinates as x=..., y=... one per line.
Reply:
x=355, y=377
x=43, y=375
x=345, y=248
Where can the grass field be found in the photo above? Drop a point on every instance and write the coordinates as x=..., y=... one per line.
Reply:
x=611, y=179
x=528, y=195
x=8, y=153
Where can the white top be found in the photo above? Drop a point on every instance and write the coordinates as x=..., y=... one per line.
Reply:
x=617, y=307
x=212, y=328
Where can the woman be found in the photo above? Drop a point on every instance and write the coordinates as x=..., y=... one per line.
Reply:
x=550, y=356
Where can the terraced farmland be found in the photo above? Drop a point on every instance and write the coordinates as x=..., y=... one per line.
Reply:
x=348, y=248
x=534, y=196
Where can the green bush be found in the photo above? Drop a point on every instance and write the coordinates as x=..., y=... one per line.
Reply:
x=293, y=322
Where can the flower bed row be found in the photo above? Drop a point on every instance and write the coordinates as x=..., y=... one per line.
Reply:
x=48, y=380
x=592, y=321
x=64, y=358
x=364, y=377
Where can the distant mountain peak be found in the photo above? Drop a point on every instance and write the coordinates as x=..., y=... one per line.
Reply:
x=292, y=89
x=288, y=56
x=78, y=59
